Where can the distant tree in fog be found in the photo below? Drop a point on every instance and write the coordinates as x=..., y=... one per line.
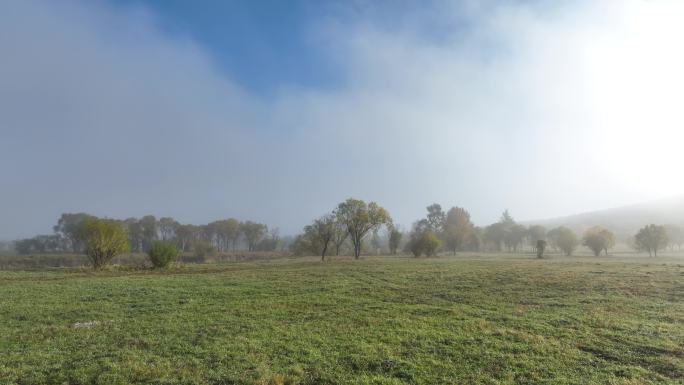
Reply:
x=458, y=229
x=536, y=233
x=68, y=226
x=505, y=232
x=651, y=238
x=515, y=236
x=494, y=234
x=676, y=235
x=224, y=233
x=149, y=229
x=253, y=233
x=167, y=228
x=376, y=243
x=185, y=235
x=301, y=245
x=394, y=237
x=598, y=239
x=135, y=234
x=41, y=244
x=435, y=218
x=231, y=231
x=271, y=242
x=563, y=239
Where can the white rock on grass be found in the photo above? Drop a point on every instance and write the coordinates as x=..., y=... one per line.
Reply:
x=86, y=325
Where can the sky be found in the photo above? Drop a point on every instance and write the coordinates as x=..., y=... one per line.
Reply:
x=276, y=111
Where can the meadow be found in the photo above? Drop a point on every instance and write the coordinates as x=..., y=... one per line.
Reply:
x=468, y=319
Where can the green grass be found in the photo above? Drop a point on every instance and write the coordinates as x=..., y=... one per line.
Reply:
x=462, y=320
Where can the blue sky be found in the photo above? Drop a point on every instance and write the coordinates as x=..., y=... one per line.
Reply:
x=276, y=111
x=261, y=44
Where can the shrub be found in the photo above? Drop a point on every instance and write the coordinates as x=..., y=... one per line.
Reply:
x=425, y=244
x=162, y=253
x=203, y=249
x=430, y=244
x=541, y=246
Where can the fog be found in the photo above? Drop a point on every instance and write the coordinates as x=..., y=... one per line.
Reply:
x=545, y=110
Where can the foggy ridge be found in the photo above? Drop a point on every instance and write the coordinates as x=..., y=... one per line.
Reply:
x=623, y=220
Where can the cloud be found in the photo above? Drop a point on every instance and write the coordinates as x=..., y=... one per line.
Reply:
x=543, y=110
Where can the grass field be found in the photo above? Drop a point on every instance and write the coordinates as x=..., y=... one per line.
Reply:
x=460, y=320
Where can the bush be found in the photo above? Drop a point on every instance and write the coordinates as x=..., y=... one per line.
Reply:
x=425, y=244
x=430, y=244
x=161, y=254
x=203, y=249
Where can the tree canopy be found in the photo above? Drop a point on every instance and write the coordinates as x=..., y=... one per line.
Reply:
x=360, y=218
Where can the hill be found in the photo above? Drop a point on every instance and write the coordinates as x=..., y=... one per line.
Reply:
x=624, y=221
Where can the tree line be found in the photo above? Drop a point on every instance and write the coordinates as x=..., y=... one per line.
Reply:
x=352, y=227
x=452, y=231
x=141, y=233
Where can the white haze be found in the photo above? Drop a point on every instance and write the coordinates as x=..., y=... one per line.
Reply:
x=542, y=109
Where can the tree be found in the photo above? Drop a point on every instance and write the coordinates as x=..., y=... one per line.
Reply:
x=536, y=233
x=598, y=239
x=301, y=245
x=135, y=234
x=564, y=239
x=104, y=239
x=359, y=218
x=435, y=218
x=162, y=253
x=232, y=231
x=676, y=235
x=394, y=239
x=340, y=236
x=515, y=236
x=41, y=244
x=505, y=232
x=185, y=235
x=253, y=232
x=148, y=225
x=476, y=239
x=376, y=243
x=167, y=228
x=457, y=228
x=271, y=242
x=552, y=237
x=68, y=226
x=320, y=234
x=651, y=238
x=224, y=233
x=495, y=234
x=506, y=218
